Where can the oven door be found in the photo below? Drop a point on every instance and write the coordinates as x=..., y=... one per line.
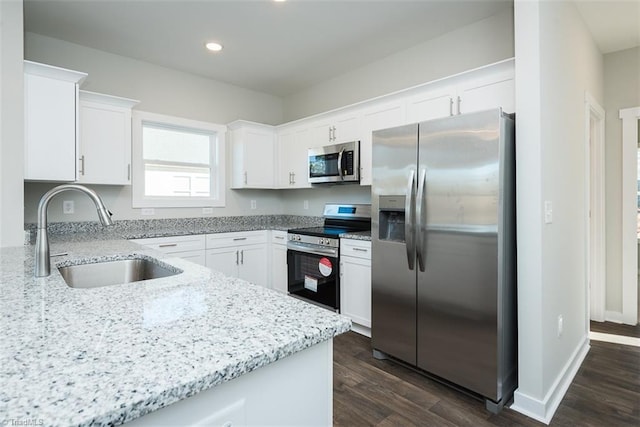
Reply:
x=313, y=274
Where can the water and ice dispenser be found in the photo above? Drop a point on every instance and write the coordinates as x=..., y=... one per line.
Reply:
x=391, y=218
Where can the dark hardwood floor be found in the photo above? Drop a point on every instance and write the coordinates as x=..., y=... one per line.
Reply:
x=615, y=329
x=370, y=392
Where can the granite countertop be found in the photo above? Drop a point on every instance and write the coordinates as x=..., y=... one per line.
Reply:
x=357, y=235
x=107, y=355
x=141, y=229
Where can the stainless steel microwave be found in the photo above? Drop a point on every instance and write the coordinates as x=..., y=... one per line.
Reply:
x=338, y=163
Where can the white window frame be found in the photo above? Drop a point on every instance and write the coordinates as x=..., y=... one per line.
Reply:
x=216, y=161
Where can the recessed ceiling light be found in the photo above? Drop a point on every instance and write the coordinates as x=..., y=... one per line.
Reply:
x=213, y=46
x=279, y=1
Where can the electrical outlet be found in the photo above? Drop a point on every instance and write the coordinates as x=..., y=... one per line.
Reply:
x=253, y=204
x=147, y=211
x=207, y=211
x=68, y=207
x=306, y=204
x=560, y=325
x=548, y=212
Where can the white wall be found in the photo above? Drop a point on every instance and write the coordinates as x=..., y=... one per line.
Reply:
x=472, y=46
x=11, y=124
x=621, y=90
x=556, y=62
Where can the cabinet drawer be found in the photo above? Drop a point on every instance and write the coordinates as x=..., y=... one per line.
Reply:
x=279, y=237
x=355, y=248
x=174, y=244
x=222, y=240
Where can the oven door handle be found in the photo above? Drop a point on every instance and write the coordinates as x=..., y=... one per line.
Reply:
x=308, y=250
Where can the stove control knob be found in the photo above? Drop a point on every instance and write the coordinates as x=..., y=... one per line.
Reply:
x=298, y=237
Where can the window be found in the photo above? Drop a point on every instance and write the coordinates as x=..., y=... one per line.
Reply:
x=177, y=162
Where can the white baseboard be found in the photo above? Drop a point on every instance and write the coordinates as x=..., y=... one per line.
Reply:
x=543, y=410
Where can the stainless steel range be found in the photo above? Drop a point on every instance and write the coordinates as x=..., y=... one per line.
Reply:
x=313, y=254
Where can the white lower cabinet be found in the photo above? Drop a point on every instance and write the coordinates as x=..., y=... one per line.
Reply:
x=283, y=393
x=189, y=247
x=355, y=283
x=279, y=261
x=242, y=255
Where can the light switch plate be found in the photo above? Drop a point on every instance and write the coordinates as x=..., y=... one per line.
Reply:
x=147, y=211
x=207, y=211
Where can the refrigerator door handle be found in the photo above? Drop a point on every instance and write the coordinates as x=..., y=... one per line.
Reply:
x=421, y=220
x=409, y=223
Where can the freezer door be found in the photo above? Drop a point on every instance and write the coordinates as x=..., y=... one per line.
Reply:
x=393, y=279
x=458, y=201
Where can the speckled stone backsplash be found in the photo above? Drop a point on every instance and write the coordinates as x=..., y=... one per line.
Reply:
x=143, y=228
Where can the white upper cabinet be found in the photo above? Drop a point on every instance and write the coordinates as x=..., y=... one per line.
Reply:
x=293, y=143
x=465, y=94
x=376, y=117
x=335, y=129
x=105, y=139
x=481, y=89
x=431, y=103
x=253, y=153
x=487, y=92
x=51, y=99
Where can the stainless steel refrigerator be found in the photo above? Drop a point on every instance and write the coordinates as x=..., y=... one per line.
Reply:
x=444, y=252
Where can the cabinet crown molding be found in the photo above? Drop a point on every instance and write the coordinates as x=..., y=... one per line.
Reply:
x=58, y=73
x=116, y=101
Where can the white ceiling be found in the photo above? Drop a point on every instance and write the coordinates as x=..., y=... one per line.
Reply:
x=281, y=48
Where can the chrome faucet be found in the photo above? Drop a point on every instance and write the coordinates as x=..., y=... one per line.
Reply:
x=43, y=263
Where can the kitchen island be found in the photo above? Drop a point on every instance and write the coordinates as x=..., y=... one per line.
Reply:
x=109, y=355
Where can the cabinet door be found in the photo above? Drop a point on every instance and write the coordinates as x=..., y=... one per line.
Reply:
x=224, y=260
x=355, y=289
x=253, y=156
x=431, y=104
x=105, y=144
x=50, y=129
x=197, y=257
x=379, y=117
x=253, y=264
x=489, y=92
x=279, y=268
x=347, y=127
x=293, y=146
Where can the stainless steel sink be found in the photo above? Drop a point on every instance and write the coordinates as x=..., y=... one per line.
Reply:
x=113, y=272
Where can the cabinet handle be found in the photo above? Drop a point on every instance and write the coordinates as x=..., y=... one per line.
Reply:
x=293, y=177
x=82, y=163
x=334, y=133
x=237, y=257
x=451, y=106
x=459, y=105
x=245, y=177
x=235, y=239
x=242, y=257
x=279, y=237
x=129, y=172
x=167, y=245
x=330, y=134
x=360, y=250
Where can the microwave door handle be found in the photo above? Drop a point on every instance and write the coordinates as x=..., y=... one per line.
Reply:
x=340, y=164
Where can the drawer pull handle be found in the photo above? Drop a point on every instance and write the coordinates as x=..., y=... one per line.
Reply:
x=360, y=250
x=279, y=237
x=167, y=245
x=239, y=238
